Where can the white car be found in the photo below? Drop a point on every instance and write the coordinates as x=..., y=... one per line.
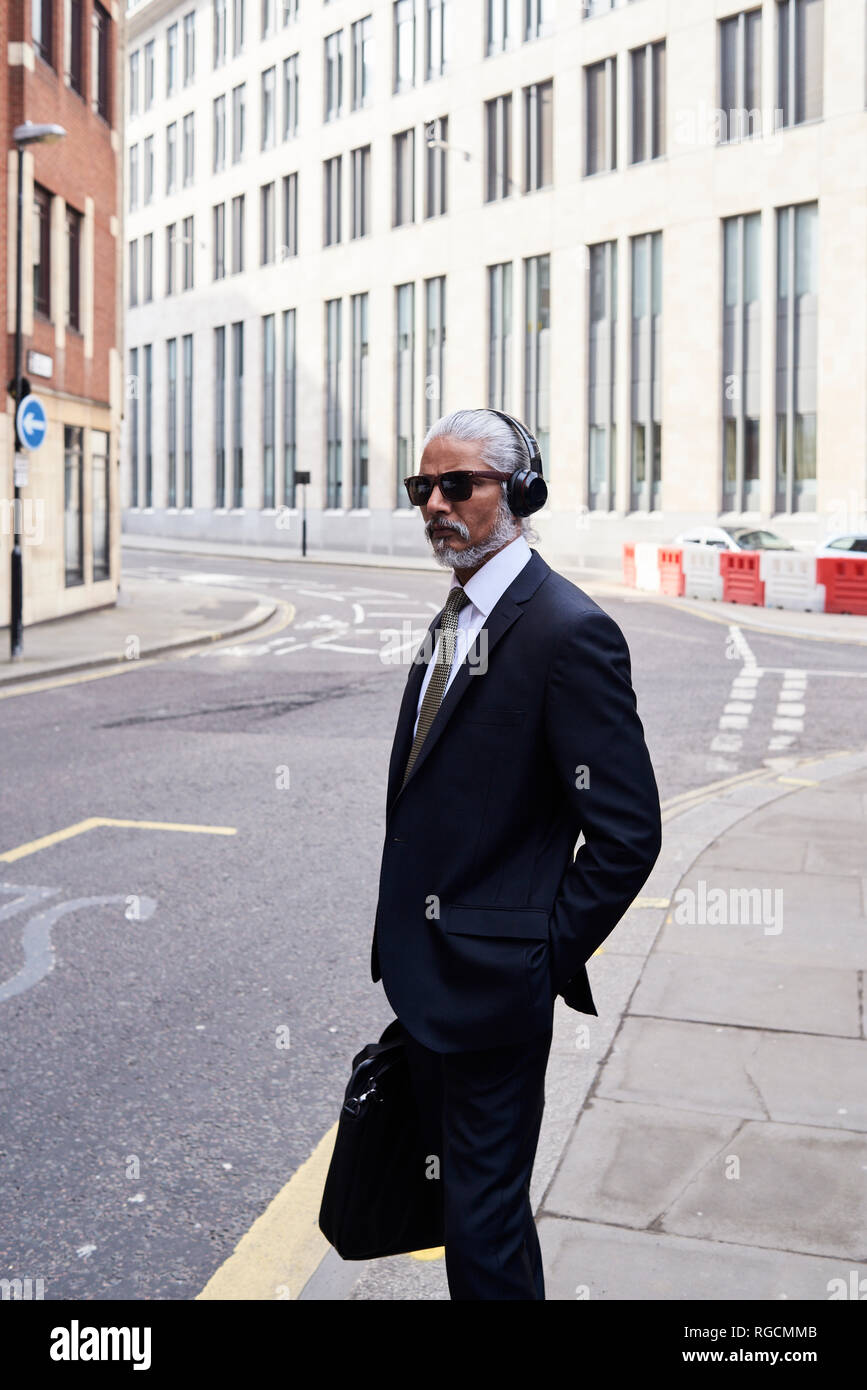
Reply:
x=838, y=547
x=733, y=538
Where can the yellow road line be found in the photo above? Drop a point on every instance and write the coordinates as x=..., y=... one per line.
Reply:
x=79, y=827
x=284, y=1246
x=799, y=781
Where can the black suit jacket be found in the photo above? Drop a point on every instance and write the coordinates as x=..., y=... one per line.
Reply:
x=483, y=916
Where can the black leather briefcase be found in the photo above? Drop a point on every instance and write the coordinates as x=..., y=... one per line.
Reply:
x=377, y=1198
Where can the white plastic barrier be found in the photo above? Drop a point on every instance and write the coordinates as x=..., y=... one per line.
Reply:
x=790, y=581
x=701, y=573
x=647, y=566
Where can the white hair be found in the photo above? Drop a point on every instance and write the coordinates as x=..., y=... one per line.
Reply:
x=499, y=447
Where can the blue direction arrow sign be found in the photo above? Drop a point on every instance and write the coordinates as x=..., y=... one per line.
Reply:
x=31, y=422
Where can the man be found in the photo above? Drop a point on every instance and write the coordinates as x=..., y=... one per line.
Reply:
x=517, y=733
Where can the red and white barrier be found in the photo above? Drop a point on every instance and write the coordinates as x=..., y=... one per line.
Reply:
x=761, y=578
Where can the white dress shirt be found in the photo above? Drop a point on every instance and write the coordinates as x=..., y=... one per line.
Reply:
x=484, y=589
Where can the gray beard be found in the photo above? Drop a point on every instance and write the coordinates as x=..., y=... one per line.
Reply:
x=504, y=531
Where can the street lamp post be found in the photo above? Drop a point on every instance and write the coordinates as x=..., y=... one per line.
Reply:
x=26, y=134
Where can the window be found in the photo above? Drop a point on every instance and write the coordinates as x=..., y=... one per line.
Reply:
x=436, y=141
x=42, y=15
x=498, y=33
x=133, y=274
x=238, y=122
x=538, y=136
x=73, y=508
x=648, y=102
x=435, y=348
x=537, y=349
x=133, y=177
x=266, y=224
x=148, y=169
x=289, y=411
x=602, y=377
x=362, y=59
x=189, y=47
x=238, y=234
x=290, y=96
x=189, y=148
x=219, y=28
x=149, y=77
x=148, y=267
x=740, y=44
x=172, y=422
x=219, y=241
x=269, y=112
x=72, y=53
x=290, y=216
x=268, y=409
x=498, y=148
x=538, y=18
x=268, y=18
x=134, y=93
x=360, y=191
x=741, y=405
x=189, y=245
x=646, y=405
x=237, y=27
x=133, y=427
x=333, y=421
x=404, y=45
x=171, y=59
x=404, y=387
x=332, y=208
x=601, y=116
x=437, y=38
x=171, y=157
x=148, y=425
x=220, y=417
x=171, y=239
x=404, y=178
x=360, y=392
x=334, y=76
x=100, y=491
x=73, y=269
x=796, y=357
x=188, y=418
x=219, y=133
x=800, y=58
x=41, y=251
x=99, y=61
x=290, y=11
x=238, y=415
x=500, y=335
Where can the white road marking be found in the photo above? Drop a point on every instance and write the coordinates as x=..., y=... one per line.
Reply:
x=738, y=709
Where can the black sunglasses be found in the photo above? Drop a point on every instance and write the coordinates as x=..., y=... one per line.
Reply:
x=455, y=487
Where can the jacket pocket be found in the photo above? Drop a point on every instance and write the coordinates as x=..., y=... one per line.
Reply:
x=523, y=923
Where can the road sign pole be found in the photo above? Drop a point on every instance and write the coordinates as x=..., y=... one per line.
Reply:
x=16, y=588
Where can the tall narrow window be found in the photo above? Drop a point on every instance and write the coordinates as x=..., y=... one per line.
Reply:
x=333, y=76
x=172, y=422
x=498, y=32
x=498, y=148
x=404, y=46
x=602, y=361
x=600, y=86
x=219, y=241
x=238, y=8
x=189, y=47
x=269, y=108
x=404, y=178
x=219, y=31
x=72, y=54
x=266, y=224
x=360, y=442
x=800, y=59
x=100, y=475
x=333, y=420
x=290, y=216
x=648, y=102
x=741, y=384
x=237, y=415
x=238, y=234
x=537, y=349
x=220, y=417
x=538, y=136
x=188, y=241
x=289, y=413
x=149, y=169
x=219, y=133
x=290, y=96
x=646, y=403
x=187, y=343
x=189, y=149
x=740, y=49
x=73, y=510
x=360, y=191
x=538, y=18
x=435, y=348
x=133, y=177
x=149, y=74
x=362, y=61
x=42, y=24
x=171, y=241
x=148, y=425
x=500, y=335
x=73, y=269
x=41, y=251
x=133, y=427
x=171, y=157
x=171, y=59
x=404, y=388
x=437, y=38
x=332, y=181
x=238, y=122
x=133, y=274
x=148, y=267
x=796, y=356
x=436, y=141
x=268, y=408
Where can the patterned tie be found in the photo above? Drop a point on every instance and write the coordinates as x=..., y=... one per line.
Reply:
x=433, y=696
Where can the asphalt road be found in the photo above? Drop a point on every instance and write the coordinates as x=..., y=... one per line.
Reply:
x=150, y=1105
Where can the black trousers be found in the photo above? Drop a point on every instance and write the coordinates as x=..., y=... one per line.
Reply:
x=480, y=1114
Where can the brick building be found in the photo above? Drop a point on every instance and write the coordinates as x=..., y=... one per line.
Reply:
x=64, y=68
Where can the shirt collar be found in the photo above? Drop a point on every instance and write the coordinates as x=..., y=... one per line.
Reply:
x=486, y=587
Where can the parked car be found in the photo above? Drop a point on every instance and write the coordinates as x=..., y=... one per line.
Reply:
x=733, y=538
x=851, y=543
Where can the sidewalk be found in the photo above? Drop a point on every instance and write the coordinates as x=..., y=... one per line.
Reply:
x=152, y=615
x=704, y=1137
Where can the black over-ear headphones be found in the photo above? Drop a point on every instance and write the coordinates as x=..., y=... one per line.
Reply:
x=526, y=490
